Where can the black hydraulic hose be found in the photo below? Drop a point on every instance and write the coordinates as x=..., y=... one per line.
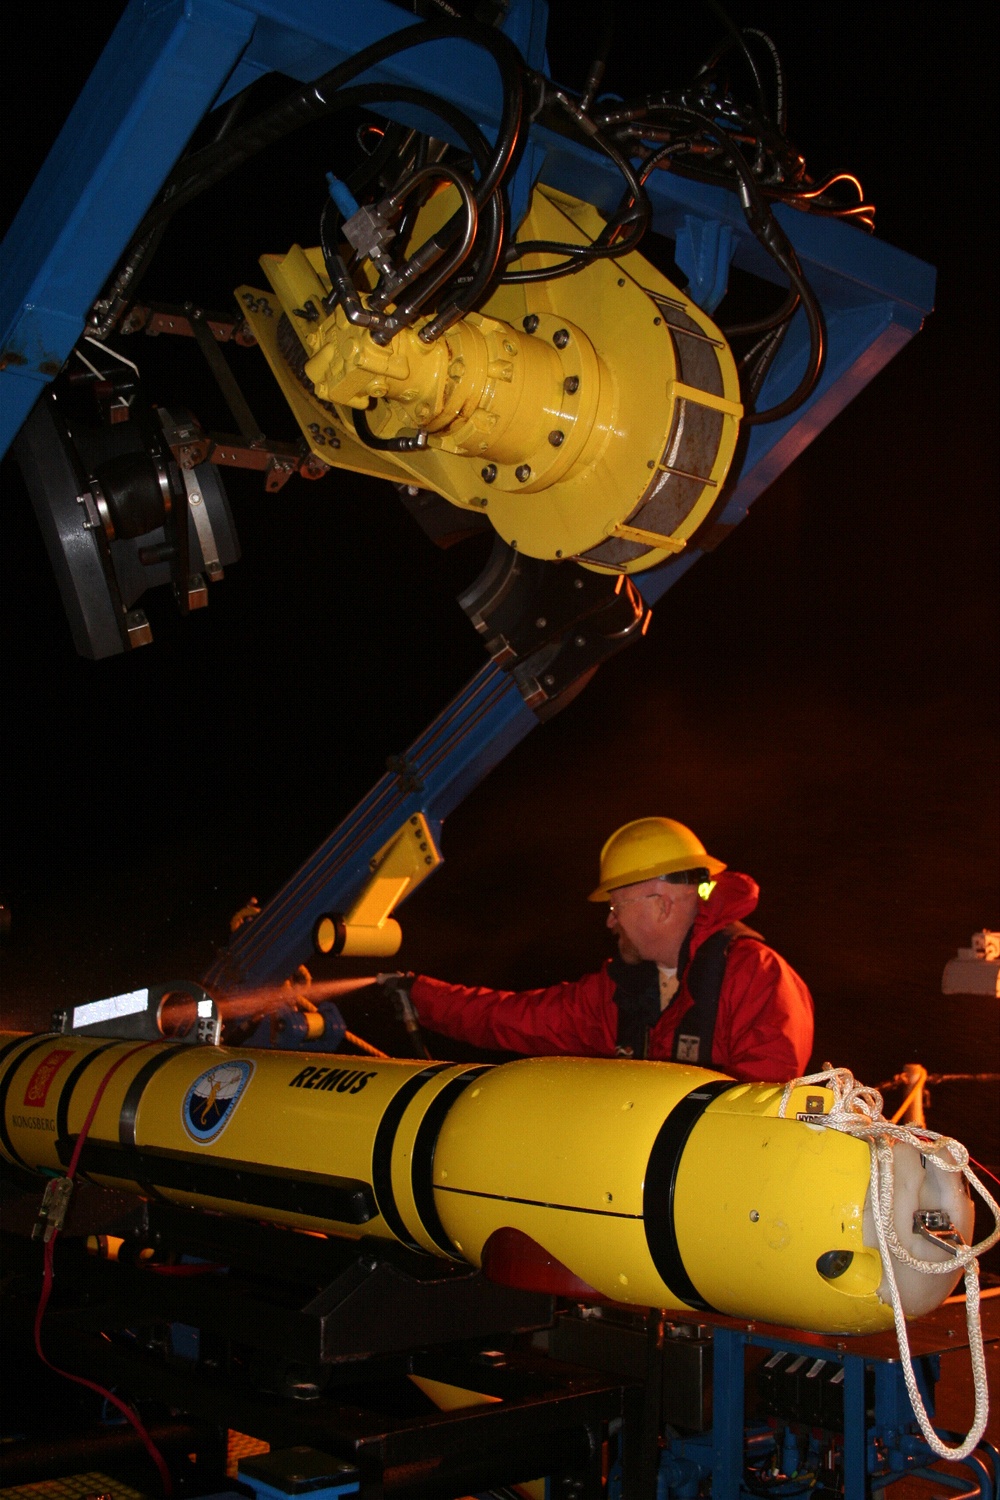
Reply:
x=489, y=262
x=368, y=168
x=633, y=207
x=479, y=149
x=817, y=354
x=759, y=361
x=738, y=40
x=411, y=444
x=230, y=113
x=364, y=95
x=425, y=263
x=595, y=73
x=213, y=163
x=774, y=240
x=405, y=227
x=780, y=111
x=783, y=314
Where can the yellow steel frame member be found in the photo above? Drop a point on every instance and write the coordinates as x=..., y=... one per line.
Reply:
x=592, y=417
x=654, y=1183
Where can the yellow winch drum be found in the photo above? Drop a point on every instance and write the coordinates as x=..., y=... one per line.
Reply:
x=654, y=1184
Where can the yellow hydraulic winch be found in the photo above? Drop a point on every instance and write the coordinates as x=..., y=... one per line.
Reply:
x=592, y=417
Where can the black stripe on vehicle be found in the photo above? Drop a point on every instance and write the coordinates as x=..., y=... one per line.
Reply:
x=343, y=1200
x=42, y=1041
x=422, y=1164
x=136, y=1089
x=130, y=1105
x=8, y=1047
x=382, y=1148
x=65, y=1097
x=661, y=1183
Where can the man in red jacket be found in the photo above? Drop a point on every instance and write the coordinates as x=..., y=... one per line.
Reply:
x=691, y=982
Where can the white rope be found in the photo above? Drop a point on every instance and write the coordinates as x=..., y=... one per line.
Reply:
x=857, y=1110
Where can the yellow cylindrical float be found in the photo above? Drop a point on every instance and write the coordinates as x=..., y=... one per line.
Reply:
x=654, y=1184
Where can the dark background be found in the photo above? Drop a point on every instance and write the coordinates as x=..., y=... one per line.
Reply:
x=817, y=698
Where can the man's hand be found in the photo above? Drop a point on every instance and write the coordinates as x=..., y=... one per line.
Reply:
x=396, y=989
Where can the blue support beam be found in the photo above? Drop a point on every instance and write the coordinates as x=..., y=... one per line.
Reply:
x=463, y=744
x=728, y=1420
x=155, y=81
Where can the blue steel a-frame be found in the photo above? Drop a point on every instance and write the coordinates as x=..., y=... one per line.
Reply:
x=167, y=65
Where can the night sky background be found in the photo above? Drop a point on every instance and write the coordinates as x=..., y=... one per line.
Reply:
x=817, y=698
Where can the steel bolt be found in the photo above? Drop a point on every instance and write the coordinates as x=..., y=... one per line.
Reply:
x=530, y=323
x=754, y=1216
x=490, y=473
x=541, y=622
x=657, y=322
x=561, y=338
x=651, y=463
x=558, y=552
x=548, y=679
x=522, y=473
x=577, y=582
x=557, y=437
x=621, y=281
x=579, y=640
x=571, y=384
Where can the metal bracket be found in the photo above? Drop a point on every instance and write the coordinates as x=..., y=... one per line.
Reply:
x=178, y=1011
x=368, y=929
x=935, y=1225
x=201, y=520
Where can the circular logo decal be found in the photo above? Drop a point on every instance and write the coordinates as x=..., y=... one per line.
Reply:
x=211, y=1099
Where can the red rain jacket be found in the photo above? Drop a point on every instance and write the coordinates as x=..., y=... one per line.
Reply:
x=763, y=1031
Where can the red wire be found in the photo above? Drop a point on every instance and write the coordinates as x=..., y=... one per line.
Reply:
x=47, y=1279
x=980, y=1168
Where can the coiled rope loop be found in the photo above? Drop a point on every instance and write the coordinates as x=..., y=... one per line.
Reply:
x=857, y=1110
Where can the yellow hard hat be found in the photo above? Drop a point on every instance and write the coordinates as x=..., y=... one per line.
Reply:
x=647, y=848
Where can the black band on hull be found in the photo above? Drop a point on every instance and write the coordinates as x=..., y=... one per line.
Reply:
x=661, y=1183
x=385, y=1140
x=422, y=1168
x=66, y=1096
x=37, y=1042
x=136, y=1089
